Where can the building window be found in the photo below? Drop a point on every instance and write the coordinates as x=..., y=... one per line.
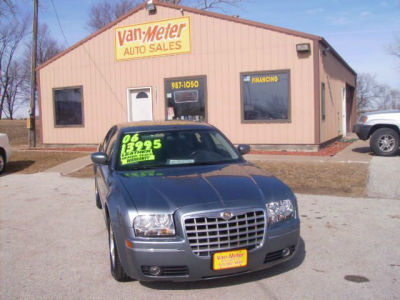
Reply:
x=186, y=98
x=323, y=105
x=266, y=96
x=68, y=109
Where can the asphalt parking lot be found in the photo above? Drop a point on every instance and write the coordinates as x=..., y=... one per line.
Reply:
x=54, y=245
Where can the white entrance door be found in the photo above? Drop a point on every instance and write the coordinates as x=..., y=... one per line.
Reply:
x=344, y=114
x=140, y=105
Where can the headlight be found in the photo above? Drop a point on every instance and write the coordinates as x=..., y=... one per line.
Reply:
x=280, y=211
x=154, y=225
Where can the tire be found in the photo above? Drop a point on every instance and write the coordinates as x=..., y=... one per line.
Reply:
x=98, y=202
x=2, y=163
x=117, y=271
x=385, y=142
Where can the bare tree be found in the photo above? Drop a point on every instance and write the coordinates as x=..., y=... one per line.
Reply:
x=13, y=99
x=107, y=11
x=47, y=48
x=6, y=8
x=372, y=95
x=206, y=4
x=367, y=92
x=11, y=36
x=394, y=48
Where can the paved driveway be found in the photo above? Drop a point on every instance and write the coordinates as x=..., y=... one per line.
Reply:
x=53, y=245
x=384, y=177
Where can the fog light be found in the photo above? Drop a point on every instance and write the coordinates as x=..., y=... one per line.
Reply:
x=285, y=252
x=154, y=270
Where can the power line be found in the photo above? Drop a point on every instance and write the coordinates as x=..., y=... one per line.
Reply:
x=59, y=23
x=90, y=58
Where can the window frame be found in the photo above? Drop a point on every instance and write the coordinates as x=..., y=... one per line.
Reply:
x=182, y=78
x=323, y=101
x=264, y=72
x=82, y=106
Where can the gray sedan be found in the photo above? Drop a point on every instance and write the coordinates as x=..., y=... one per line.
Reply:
x=180, y=204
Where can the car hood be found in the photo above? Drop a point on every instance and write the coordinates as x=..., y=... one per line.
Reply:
x=168, y=189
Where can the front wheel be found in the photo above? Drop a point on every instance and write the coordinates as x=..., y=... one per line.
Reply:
x=116, y=267
x=2, y=163
x=385, y=142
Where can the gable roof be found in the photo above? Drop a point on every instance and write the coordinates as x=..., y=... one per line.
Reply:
x=209, y=14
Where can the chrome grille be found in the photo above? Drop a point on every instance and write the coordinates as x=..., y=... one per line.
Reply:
x=210, y=234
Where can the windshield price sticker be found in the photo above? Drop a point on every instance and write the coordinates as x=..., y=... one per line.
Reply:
x=135, y=150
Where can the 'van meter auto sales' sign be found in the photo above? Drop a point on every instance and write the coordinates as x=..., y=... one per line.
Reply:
x=165, y=37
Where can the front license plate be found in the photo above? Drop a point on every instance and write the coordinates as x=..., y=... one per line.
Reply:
x=230, y=259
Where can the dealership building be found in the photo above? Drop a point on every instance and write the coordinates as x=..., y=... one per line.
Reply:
x=262, y=85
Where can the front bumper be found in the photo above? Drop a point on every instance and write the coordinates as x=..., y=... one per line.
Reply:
x=183, y=265
x=362, y=131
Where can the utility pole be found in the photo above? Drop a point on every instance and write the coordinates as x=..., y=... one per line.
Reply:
x=32, y=117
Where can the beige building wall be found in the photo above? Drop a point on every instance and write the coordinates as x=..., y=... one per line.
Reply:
x=221, y=50
x=335, y=76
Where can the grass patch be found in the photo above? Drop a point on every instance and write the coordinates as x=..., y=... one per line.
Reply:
x=341, y=179
x=29, y=162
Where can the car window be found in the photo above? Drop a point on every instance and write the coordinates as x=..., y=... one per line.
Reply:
x=107, y=139
x=174, y=147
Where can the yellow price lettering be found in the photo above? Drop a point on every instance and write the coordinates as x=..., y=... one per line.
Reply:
x=157, y=144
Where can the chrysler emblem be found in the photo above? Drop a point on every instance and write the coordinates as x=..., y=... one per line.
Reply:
x=226, y=215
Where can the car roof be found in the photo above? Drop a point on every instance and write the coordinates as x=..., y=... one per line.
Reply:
x=162, y=125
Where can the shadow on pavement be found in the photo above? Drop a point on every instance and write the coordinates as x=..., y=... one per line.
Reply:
x=368, y=151
x=296, y=261
x=16, y=166
x=363, y=150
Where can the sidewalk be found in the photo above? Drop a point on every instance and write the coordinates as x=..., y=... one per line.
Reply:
x=71, y=166
x=384, y=174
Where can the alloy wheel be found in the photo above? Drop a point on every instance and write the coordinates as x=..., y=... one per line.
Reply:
x=386, y=143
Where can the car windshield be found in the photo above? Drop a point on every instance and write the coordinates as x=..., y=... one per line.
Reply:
x=142, y=150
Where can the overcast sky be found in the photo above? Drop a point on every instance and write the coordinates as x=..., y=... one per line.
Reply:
x=360, y=30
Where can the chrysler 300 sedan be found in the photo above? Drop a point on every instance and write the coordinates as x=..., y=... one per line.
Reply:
x=181, y=203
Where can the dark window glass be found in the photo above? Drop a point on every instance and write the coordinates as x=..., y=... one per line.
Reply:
x=323, y=105
x=142, y=95
x=186, y=98
x=266, y=96
x=68, y=106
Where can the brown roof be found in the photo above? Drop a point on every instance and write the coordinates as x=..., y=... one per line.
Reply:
x=209, y=14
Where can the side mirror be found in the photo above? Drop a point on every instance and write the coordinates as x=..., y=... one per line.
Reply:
x=243, y=149
x=99, y=158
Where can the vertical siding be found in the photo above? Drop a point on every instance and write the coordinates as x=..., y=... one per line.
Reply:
x=335, y=76
x=221, y=50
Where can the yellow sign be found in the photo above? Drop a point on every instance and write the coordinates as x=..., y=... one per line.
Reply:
x=265, y=79
x=230, y=259
x=165, y=37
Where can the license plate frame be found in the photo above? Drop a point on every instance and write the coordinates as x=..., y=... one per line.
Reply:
x=230, y=262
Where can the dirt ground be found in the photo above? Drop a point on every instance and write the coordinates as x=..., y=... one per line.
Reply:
x=29, y=162
x=323, y=178
x=17, y=132
x=86, y=172
x=306, y=178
